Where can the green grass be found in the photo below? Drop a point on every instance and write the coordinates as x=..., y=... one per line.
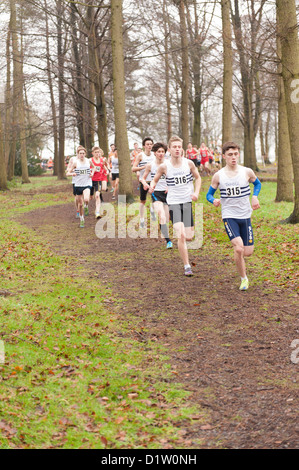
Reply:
x=73, y=376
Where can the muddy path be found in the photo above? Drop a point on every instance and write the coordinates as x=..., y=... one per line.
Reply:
x=230, y=349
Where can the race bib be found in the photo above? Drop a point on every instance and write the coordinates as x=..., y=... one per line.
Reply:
x=180, y=180
x=233, y=191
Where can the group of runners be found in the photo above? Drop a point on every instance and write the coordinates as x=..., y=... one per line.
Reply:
x=174, y=182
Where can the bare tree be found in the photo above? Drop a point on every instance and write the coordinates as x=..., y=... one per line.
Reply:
x=125, y=173
x=288, y=32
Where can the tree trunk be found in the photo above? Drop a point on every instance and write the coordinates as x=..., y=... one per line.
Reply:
x=8, y=103
x=285, y=174
x=247, y=91
x=185, y=75
x=3, y=175
x=227, y=107
x=167, y=73
x=288, y=33
x=125, y=172
x=18, y=85
x=61, y=129
x=52, y=98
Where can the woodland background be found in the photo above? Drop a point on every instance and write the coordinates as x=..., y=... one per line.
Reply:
x=91, y=72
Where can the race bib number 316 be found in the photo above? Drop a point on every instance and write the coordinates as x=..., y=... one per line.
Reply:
x=179, y=180
x=233, y=191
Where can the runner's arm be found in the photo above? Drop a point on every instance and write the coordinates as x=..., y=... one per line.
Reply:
x=197, y=178
x=135, y=167
x=145, y=174
x=257, y=187
x=212, y=190
x=70, y=169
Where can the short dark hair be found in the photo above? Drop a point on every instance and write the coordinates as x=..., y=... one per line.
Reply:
x=159, y=145
x=229, y=145
x=145, y=139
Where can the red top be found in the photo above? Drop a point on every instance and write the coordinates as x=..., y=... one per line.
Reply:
x=100, y=172
x=191, y=154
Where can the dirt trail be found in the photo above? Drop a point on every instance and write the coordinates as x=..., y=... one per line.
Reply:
x=231, y=349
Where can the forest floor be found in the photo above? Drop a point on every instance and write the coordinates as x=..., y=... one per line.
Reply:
x=230, y=349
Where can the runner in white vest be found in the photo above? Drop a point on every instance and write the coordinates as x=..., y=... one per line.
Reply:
x=70, y=164
x=144, y=157
x=82, y=168
x=159, y=196
x=233, y=182
x=179, y=179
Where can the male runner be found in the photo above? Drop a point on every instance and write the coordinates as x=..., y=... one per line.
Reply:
x=82, y=168
x=233, y=181
x=159, y=196
x=179, y=172
x=99, y=178
x=144, y=157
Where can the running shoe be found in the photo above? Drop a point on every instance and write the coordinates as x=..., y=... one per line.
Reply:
x=142, y=224
x=78, y=215
x=111, y=191
x=169, y=244
x=86, y=211
x=153, y=215
x=188, y=272
x=244, y=284
x=82, y=223
x=98, y=215
x=113, y=197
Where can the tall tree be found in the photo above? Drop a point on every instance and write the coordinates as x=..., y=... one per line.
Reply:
x=285, y=174
x=227, y=107
x=61, y=127
x=122, y=144
x=96, y=77
x=288, y=32
x=51, y=89
x=185, y=73
x=3, y=173
x=167, y=72
x=18, y=79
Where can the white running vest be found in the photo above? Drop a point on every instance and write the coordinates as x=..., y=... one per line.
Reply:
x=144, y=161
x=115, y=165
x=235, y=195
x=179, y=182
x=161, y=185
x=83, y=172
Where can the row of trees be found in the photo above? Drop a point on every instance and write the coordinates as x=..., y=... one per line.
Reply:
x=103, y=68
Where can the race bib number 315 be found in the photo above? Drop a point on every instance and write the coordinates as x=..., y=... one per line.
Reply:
x=233, y=191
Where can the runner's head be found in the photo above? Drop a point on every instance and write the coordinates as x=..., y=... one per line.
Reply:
x=231, y=153
x=175, y=145
x=97, y=152
x=81, y=152
x=229, y=145
x=159, y=150
x=147, y=144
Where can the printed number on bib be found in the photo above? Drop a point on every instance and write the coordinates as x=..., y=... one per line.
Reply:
x=233, y=191
x=179, y=180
